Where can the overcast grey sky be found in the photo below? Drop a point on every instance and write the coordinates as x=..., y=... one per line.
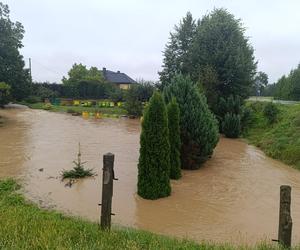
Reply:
x=130, y=35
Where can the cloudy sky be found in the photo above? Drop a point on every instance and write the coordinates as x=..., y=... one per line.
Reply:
x=129, y=35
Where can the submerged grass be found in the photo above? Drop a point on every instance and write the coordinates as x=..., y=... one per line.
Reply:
x=25, y=226
x=280, y=140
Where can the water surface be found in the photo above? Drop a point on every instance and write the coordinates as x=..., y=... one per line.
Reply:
x=233, y=198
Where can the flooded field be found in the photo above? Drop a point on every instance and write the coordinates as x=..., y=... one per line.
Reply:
x=234, y=197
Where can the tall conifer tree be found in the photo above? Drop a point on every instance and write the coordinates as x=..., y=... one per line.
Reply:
x=174, y=138
x=176, y=54
x=199, y=130
x=154, y=160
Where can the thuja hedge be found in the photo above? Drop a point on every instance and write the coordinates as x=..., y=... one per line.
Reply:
x=232, y=125
x=230, y=114
x=154, y=160
x=174, y=139
x=199, y=129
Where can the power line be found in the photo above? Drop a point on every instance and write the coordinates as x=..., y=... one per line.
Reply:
x=47, y=68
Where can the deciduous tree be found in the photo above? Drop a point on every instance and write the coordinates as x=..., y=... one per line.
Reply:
x=4, y=94
x=11, y=61
x=221, y=48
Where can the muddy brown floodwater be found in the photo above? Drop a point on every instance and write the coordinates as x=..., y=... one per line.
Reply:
x=233, y=198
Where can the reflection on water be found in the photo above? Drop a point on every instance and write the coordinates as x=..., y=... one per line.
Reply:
x=234, y=197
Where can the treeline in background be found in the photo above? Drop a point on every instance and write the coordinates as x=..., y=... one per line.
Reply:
x=287, y=87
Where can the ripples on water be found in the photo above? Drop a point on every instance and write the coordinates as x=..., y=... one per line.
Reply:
x=234, y=197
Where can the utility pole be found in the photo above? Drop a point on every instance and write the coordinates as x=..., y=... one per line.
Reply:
x=30, y=70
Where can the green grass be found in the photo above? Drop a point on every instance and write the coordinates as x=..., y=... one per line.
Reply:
x=25, y=226
x=280, y=140
x=261, y=98
x=80, y=109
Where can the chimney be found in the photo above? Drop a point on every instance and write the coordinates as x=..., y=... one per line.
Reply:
x=103, y=71
x=118, y=72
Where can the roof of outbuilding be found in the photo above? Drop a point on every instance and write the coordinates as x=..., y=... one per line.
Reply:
x=116, y=77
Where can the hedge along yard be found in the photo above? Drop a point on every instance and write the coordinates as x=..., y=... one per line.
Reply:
x=182, y=168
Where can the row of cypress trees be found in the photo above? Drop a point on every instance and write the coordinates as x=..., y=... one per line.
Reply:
x=181, y=134
x=158, y=148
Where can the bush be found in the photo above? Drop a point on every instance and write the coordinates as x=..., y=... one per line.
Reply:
x=133, y=104
x=174, y=138
x=271, y=111
x=246, y=117
x=154, y=160
x=117, y=95
x=257, y=106
x=232, y=125
x=4, y=94
x=199, y=129
x=145, y=90
x=47, y=106
x=33, y=99
x=296, y=121
x=232, y=105
x=45, y=93
x=78, y=171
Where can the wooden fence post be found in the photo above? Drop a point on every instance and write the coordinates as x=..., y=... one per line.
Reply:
x=107, y=190
x=285, y=219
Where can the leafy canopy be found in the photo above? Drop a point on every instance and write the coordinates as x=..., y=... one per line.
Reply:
x=215, y=52
x=11, y=62
x=133, y=103
x=79, y=72
x=288, y=87
x=4, y=93
x=222, y=50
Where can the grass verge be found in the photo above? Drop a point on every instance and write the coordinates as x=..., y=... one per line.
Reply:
x=280, y=140
x=79, y=109
x=25, y=226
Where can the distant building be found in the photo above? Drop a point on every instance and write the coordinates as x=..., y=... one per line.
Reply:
x=122, y=80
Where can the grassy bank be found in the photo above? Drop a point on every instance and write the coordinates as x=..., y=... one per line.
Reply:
x=25, y=226
x=280, y=140
x=80, y=109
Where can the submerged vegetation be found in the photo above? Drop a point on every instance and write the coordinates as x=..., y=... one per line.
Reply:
x=198, y=126
x=154, y=160
x=209, y=67
x=78, y=171
x=279, y=139
x=174, y=138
